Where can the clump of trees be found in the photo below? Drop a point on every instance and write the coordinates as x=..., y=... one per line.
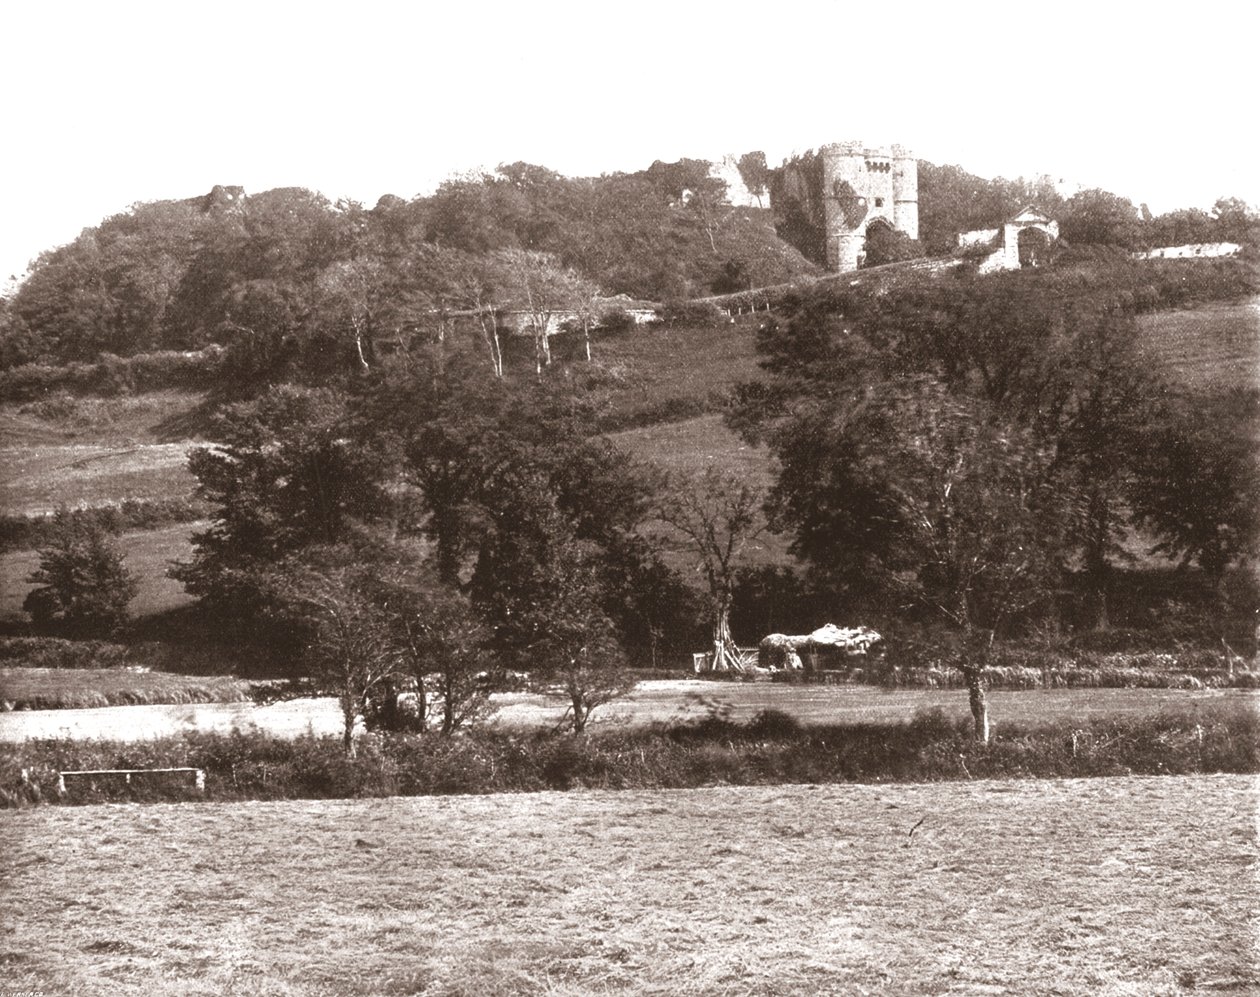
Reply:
x=424, y=532
x=298, y=287
x=954, y=452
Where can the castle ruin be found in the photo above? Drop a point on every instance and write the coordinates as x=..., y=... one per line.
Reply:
x=864, y=187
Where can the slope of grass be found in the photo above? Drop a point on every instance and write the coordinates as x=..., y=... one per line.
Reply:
x=148, y=555
x=1210, y=348
x=1077, y=888
x=152, y=417
x=55, y=688
x=662, y=373
x=35, y=480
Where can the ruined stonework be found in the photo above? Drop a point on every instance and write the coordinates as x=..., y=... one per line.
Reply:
x=862, y=187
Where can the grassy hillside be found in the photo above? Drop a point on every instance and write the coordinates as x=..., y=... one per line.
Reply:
x=1212, y=348
x=148, y=555
x=150, y=417
x=792, y=890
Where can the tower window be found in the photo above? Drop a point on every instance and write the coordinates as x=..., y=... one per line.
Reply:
x=879, y=202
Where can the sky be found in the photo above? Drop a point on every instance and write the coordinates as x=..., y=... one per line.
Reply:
x=109, y=104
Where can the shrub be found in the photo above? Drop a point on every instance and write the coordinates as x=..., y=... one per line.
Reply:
x=82, y=583
x=774, y=725
x=692, y=313
x=616, y=320
x=112, y=375
x=21, y=532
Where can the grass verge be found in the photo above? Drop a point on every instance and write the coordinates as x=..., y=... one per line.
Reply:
x=81, y=689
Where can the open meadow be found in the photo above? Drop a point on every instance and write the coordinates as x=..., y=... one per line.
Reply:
x=1122, y=886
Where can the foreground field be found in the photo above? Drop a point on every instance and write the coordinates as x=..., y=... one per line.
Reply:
x=1081, y=887
x=651, y=701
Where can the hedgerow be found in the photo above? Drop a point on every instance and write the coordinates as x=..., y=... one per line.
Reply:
x=772, y=749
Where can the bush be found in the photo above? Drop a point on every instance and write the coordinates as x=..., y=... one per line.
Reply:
x=83, y=585
x=616, y=320
x=55, y=652
x=692, y=313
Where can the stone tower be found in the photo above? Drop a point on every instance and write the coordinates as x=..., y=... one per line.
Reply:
x=861, y=185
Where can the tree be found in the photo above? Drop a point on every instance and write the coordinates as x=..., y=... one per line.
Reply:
x=1196, y=486
x=885, y=244
x=977, y=519
x=718, y=516
x=1101, y=218
x=81, y=580
x=546, y=291
x=755, y=174
x=441, y=646
x=349, y=651
x=286, y=475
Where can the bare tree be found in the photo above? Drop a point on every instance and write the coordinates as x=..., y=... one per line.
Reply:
x=718, y=515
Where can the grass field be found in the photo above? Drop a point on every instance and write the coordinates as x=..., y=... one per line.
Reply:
x=653, y=701
x=649, y=368
x=148, y=554
x=155, y=417
x=35, y=480
x=60, y=688
x=1214, y=347
x=1126, y=886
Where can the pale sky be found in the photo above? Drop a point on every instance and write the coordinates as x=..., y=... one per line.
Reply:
x=110, y=103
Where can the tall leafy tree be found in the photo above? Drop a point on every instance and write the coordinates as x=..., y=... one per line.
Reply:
x=285, y=476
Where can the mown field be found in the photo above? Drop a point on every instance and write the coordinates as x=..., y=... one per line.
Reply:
x=1124, y=886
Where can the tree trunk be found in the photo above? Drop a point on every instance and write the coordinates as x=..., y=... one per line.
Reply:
x=580, y=710
x=348, y=715
x=1097, y=569
x=979, y=706
x=724, y=657
x=586, y=334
